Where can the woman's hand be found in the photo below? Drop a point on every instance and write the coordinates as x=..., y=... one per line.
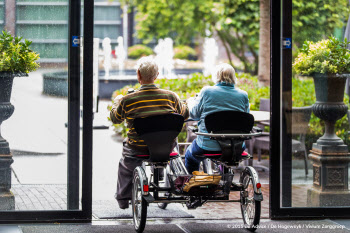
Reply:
x=190, y=102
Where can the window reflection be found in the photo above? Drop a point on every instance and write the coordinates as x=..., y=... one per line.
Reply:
x=319, y=176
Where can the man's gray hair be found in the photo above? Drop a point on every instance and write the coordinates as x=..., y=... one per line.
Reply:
x=148, y=68
x=225, y=73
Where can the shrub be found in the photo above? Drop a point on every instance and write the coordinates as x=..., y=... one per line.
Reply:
x=329, y=56
x=16, y=56
x=139, y=50
x=188, y=87
x=303, y=94
x=185, y=52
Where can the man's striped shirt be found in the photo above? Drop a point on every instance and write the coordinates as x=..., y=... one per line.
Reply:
x=148, y=101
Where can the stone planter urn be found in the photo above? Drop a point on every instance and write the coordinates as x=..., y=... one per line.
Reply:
x=329, y=154
x=6, y=110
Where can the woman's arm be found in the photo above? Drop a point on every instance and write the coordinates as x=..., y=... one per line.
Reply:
x=247, y=105
x=197, y=105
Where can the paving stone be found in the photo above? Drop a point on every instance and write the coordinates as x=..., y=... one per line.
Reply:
x=53, y=197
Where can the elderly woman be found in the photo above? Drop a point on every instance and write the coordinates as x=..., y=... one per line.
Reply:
x=221, y=97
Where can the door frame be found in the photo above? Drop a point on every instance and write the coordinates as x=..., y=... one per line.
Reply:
x=281, y=103
x=85, y=213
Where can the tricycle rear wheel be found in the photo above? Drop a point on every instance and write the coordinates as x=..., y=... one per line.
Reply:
x=139, y=205
x=250, y=208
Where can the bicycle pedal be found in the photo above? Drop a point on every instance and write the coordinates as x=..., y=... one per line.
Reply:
x=236, y=186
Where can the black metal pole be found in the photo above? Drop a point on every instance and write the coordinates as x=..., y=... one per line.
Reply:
x=73, y=105
x=275, y=93
x=87, y=105
x=131, y=32
x=287, y=104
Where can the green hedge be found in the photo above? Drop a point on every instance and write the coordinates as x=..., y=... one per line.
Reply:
x=139, y=50
x=188, y=87
x=185, y=52
x=303, y=94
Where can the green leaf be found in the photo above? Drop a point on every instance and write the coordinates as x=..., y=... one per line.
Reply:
x=15, y=56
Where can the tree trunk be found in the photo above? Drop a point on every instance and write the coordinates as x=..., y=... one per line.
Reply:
x=10, y=16
x=264, y=44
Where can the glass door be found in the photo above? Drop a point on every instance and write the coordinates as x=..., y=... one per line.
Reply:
x=309, y=125
x=45, y=142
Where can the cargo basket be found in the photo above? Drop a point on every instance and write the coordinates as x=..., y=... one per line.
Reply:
x=201, y=185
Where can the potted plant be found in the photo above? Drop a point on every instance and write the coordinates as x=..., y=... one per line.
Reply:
x=16, y=59
x=328, y=62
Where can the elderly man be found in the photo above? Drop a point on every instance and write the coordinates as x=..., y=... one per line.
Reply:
x=224, y=96
x=147, y=101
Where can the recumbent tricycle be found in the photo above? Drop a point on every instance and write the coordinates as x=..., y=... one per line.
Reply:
x=163, y=178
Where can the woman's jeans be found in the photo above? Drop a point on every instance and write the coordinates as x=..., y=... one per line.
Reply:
x=192, y=160
x=193, y=156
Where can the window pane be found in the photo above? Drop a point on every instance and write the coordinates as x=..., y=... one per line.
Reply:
x=316, y=162
x=37, y=129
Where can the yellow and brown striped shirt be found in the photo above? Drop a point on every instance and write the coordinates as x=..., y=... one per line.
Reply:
x=149, y=100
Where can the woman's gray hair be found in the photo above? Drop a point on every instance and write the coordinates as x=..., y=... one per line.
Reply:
x=148, y=68
x=225, y=73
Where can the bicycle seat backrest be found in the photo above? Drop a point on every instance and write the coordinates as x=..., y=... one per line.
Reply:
x=159, y=133
x=230, y=122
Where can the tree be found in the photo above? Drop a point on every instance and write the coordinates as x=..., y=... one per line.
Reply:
x=264, y=44
x=236, y=24
x=314, y=20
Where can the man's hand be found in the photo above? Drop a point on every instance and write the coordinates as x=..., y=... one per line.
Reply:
x=117, y=100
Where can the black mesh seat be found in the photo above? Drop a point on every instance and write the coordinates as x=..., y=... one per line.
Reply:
x=159, y=133
x=229, y=122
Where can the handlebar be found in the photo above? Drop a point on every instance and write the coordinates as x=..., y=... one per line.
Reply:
x=229, y=135
x=256, y=132
x=190, y=120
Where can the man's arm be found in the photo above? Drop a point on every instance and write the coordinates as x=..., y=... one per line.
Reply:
x=181, y=108
x=117, y=114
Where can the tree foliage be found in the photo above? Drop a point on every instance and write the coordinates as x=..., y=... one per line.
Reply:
x=234, y=22
x=314, y=20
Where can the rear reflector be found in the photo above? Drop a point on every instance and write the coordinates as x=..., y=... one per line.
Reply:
x=145, y=188
x=258, y=185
